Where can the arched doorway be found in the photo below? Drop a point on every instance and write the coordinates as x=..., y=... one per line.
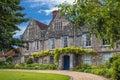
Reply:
x=66, y=62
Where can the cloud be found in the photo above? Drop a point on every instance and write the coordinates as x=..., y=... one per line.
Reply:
x=48, y=11
x=36, y=3
x=22, y=29
x=51, y=4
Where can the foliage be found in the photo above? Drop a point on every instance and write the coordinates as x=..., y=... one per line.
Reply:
x=9, y=59
x=29, y=60
x=46, y=67
x=101, y=17
x=115, y=57
x=20, y=75
x=17, y=65
x=41, y=54
x=36, y=66
x=116, y=67
x=83, y=68
x=66, y=50
x=71, y=50
x=101, y=70
x=2, y=62
x=10, y=18
x=7, y=66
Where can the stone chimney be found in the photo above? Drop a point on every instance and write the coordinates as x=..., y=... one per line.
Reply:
x=54, y=13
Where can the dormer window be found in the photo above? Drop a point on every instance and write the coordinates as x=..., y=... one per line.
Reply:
x=58, y=26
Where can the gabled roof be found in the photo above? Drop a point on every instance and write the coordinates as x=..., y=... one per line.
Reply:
x=41, y=25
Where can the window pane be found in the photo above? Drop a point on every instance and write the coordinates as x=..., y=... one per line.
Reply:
x=87, y=59
x=52, y=43
x=106, y=56
x=86, y=40
x=64, y=41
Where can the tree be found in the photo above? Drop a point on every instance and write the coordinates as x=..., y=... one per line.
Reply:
x=10, y=17
x=101, y=17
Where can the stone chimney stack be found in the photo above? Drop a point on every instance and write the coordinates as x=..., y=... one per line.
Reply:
x=54, y=13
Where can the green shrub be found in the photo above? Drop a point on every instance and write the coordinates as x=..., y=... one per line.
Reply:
x=10, y=66
x=46, y=67
x=30, y=65
x=103, y=72
x=9, y=59
x=87, y=70
x=29, y=60
x=17, y=65
x=2, y=62
x=116, y=69
x=37, y=66
x=98, y=71
x=7, y=66
x=83, y=68
x=115, y=57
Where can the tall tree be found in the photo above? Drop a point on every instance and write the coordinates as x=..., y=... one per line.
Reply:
x=101, y=16
x=10, y=17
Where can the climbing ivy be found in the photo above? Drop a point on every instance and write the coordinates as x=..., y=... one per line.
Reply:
x=42, y=53
x=66, y=50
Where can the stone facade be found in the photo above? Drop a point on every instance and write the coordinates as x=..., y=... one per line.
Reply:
x=34, y=35
x=60, y=33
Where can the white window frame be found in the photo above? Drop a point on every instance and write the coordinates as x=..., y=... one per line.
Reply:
x=36, y=45
x=51, y=44
x=106, y=56
x=58, y=26
x=64, y=41
x=86, y=59
x=86, y=41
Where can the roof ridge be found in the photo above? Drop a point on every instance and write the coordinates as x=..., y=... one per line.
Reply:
x=41, y=25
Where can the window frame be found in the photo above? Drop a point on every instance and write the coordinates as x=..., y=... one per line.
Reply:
x=108, y=54
x=51, y=44
x=86, y=59
x=86, y=40
x=64, y=41
x=103, y=43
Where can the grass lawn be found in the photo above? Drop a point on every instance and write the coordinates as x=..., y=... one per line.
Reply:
x=14, y=75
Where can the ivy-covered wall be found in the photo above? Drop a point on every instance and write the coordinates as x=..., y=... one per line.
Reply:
x=67, y=50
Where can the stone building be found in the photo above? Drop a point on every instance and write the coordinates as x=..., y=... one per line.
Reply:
x=60, y=33
x=34, y=35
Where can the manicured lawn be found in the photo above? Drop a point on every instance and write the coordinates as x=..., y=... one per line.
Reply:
x=14, y=75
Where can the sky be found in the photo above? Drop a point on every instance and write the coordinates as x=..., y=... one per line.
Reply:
x=40, y=10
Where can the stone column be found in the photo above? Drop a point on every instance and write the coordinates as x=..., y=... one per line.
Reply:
x=71, y=61
x=22, y=59
x=60, y=62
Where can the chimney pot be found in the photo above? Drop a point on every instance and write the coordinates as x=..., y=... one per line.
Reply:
x=54, y=13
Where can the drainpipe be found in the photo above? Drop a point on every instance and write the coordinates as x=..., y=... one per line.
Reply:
x=74, y=34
